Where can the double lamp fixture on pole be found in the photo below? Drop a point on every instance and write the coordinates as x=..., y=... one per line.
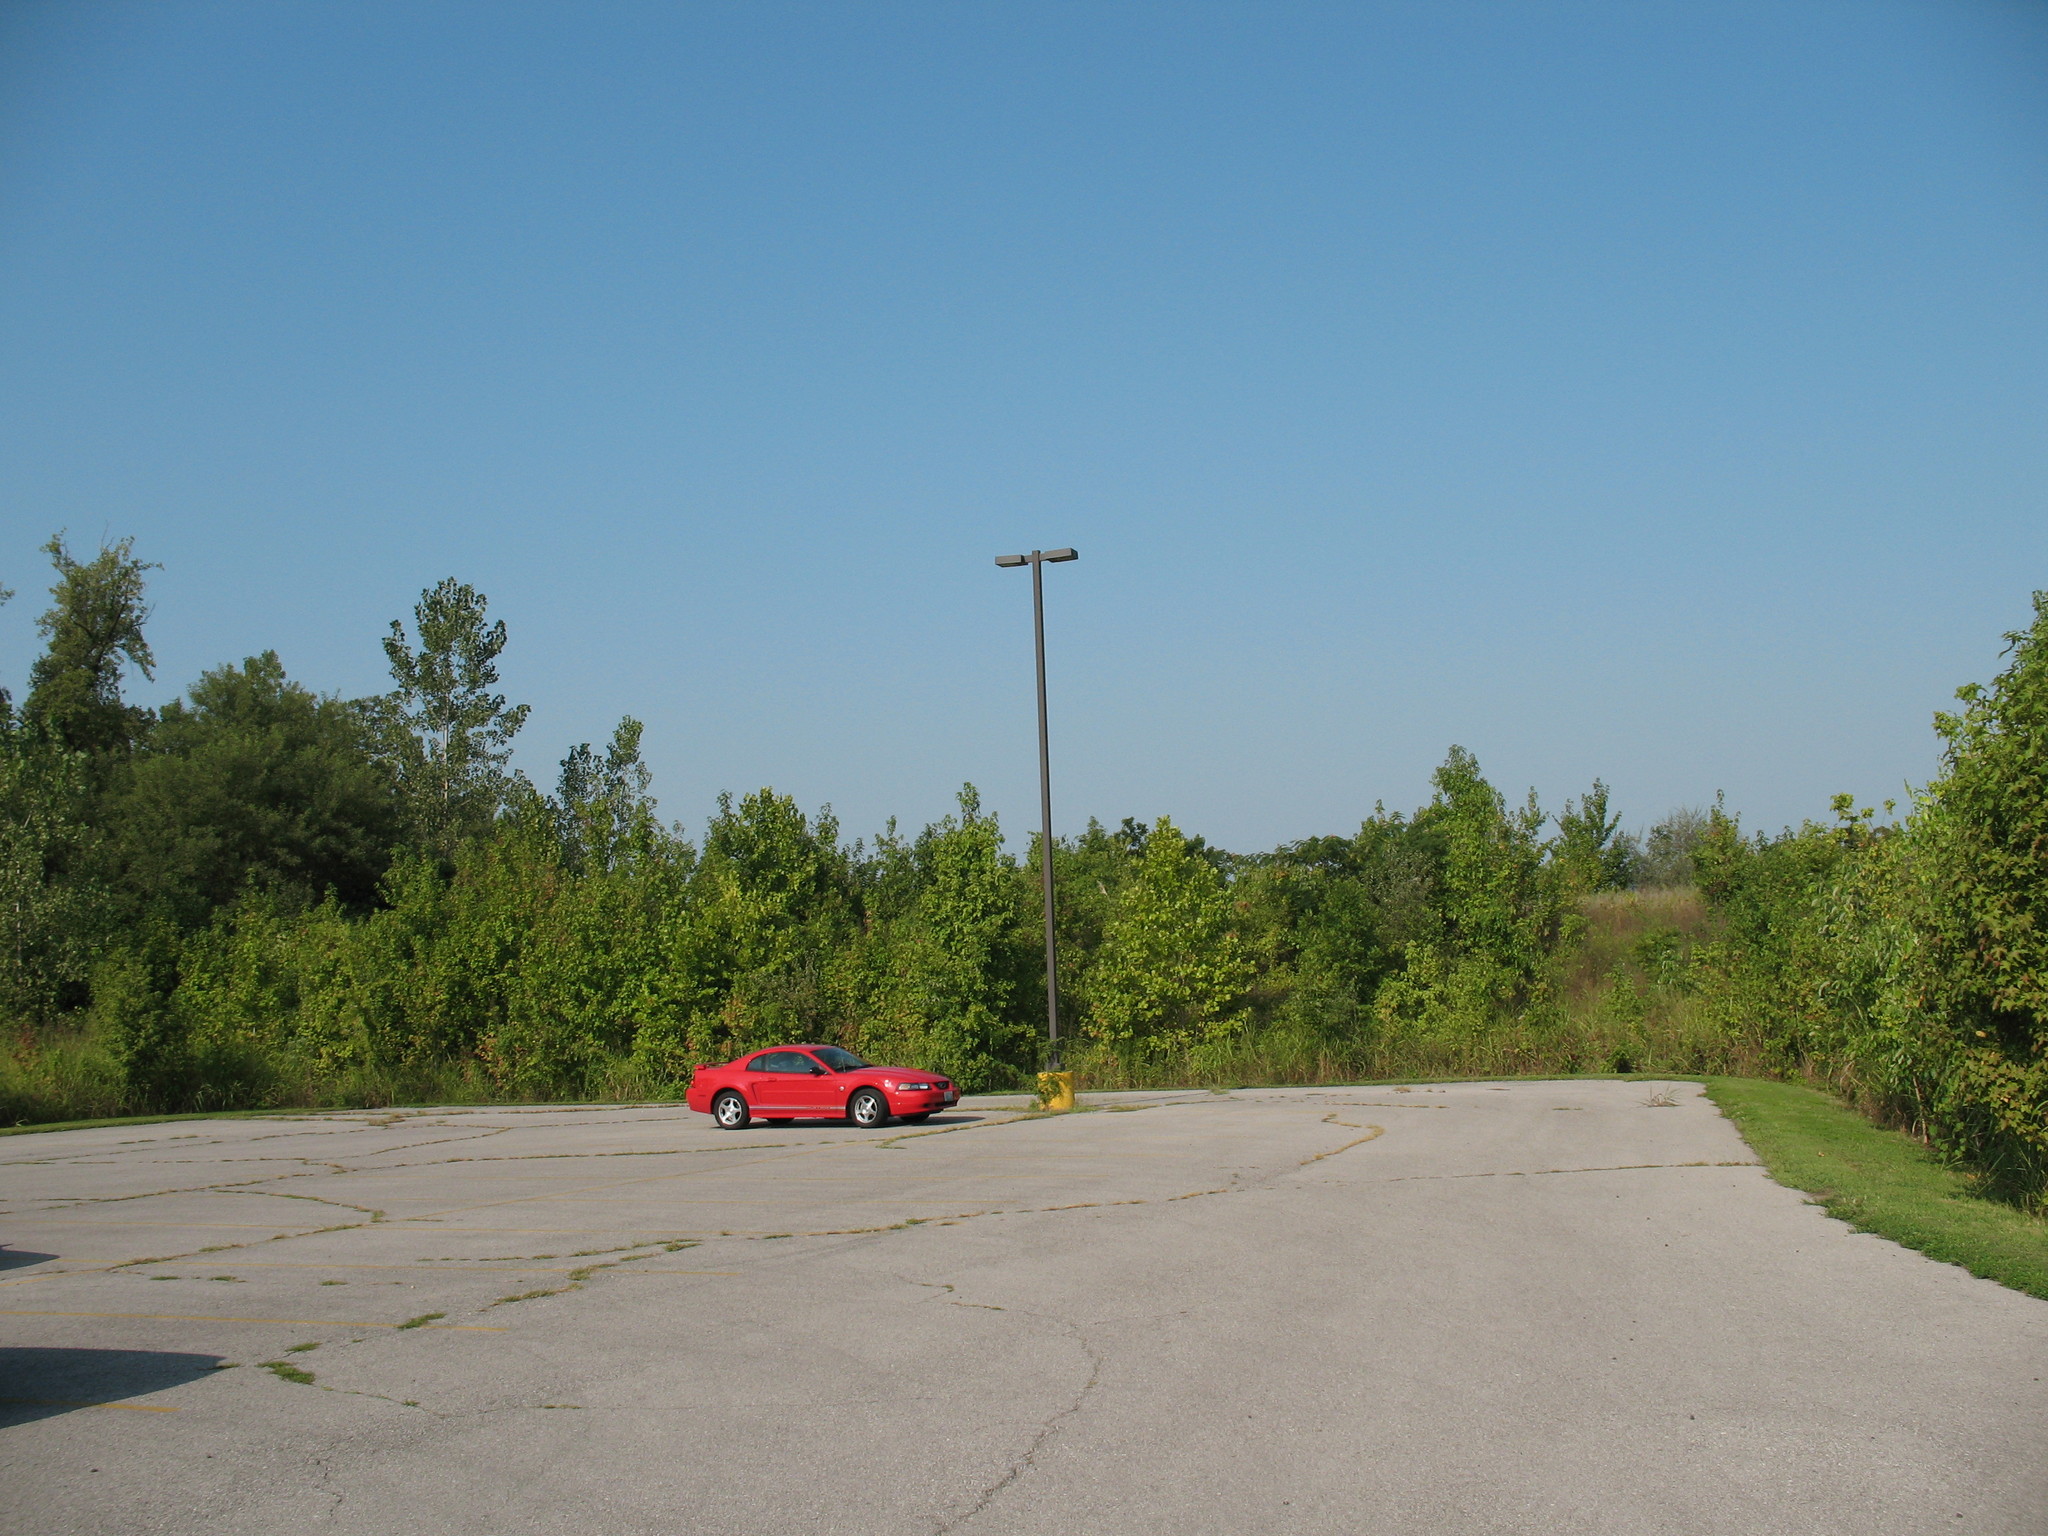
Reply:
x=1059, y=1092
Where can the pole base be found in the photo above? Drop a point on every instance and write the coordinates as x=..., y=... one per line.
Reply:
x=1056, y=1091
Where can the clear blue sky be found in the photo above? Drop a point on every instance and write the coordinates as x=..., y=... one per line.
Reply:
x=1651, y=391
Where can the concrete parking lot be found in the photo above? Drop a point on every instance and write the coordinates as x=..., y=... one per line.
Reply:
x=1530, y=1307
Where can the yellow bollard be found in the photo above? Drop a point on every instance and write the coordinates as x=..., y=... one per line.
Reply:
x=1056, y=1091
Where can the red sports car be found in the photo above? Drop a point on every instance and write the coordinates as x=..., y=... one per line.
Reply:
x=815, y=1082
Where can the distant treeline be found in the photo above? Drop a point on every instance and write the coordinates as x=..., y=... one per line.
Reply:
x=264, y=896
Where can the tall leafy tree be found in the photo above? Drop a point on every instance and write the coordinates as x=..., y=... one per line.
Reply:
x=771, y=902
x=953, y=967
x=94, y=632
x=603, y=801
x=52, y=908
x=1497, y=902
x=1590, y=852
x=7, y=720
x=1984, y=826
x=1498, y=915
x=253, y=783
x=1172, y=963
x=447, y=734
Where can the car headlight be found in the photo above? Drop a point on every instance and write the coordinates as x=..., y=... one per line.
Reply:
x=911, y=1087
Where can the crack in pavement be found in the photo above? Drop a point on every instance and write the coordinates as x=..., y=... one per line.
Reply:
x=1535, y=1173
x=1372, y=1133
x=222, y=1187
x=1047, y=1428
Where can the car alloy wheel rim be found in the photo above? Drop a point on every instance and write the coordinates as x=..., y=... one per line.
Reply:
x=867, y=1111
x=728, y=1111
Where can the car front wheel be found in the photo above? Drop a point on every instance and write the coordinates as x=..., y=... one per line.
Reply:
x=730, y=1111
x=868, y=1109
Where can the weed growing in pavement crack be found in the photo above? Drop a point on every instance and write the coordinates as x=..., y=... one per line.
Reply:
x=284, y=1370
x=423, y=1319
x=300, y=1349
x=529, y=1295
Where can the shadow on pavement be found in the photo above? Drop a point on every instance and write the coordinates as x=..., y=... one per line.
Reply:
x=18, y=1258
x=39, y=1383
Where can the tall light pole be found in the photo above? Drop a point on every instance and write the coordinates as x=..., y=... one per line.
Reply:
x=1038, y=559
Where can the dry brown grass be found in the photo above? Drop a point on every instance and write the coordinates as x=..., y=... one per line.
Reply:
x=1617, y=923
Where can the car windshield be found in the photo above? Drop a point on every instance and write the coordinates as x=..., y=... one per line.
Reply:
x=836, y=1059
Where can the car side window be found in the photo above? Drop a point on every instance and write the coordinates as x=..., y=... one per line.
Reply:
x=763, y=1063
x=782, y=1061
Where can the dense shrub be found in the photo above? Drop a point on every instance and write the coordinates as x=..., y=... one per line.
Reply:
x=263, y=896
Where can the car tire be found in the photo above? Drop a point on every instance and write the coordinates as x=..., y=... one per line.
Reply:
x=917, y=1119
x=868, y=1109
x=731, y=1112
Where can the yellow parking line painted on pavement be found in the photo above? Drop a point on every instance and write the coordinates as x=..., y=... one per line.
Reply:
x=668, y=1233
x=799, y=1202
x=52, y=1275
x=455, y=1266
x=290, y=1322
x=234, y=1225
x=75, y=1402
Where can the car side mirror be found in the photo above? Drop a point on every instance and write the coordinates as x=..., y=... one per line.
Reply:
x=817, y=1071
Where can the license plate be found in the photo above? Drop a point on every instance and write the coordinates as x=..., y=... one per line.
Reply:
x=951, y=1096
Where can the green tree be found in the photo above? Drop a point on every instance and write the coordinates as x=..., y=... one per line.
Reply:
x=446, y=734
x=253, y=783
x=94, y=631
x=946, y=977
x=1172, y=964
x=771, y=903
x=1500, y=917
x=1588, y=853
x=7, y=720
x=603, y=801
x=52, y=905
x=1984, y=828
x=1319, y=923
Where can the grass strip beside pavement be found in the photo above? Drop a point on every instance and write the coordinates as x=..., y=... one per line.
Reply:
x=1883, y=1181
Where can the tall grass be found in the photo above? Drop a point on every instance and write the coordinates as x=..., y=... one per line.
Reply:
x=70, y=1075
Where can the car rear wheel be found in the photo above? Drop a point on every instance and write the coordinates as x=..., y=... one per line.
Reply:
x=868, y=1109
x=730, y=1111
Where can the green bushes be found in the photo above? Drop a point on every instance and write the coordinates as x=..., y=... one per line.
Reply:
x=265, y=897
x=1908, y=964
